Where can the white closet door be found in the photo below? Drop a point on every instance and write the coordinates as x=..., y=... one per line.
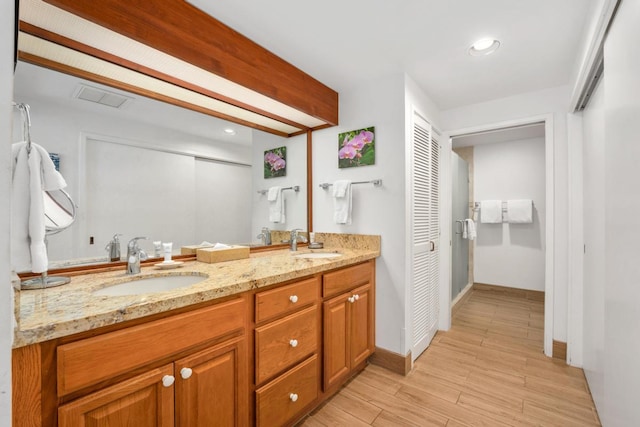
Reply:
x=424, y=236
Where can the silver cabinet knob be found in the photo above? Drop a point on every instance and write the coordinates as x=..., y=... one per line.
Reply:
x=186, y=373
x=356, y=297
x=293, y=397
x=293, y=299
x=293, y=343
x=168, y=380
x=351, y=299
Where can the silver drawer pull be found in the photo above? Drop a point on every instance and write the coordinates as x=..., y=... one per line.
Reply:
x=293, y=397
x=293, y=343
x=293, y=299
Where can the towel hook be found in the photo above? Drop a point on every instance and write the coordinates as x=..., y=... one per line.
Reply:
x=26, y=123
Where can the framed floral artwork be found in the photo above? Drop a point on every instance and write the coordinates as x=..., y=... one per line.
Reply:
x=275, y=162
x=357, y=148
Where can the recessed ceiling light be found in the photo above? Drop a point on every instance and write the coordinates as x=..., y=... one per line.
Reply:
x=484, y=47
x=230, y=131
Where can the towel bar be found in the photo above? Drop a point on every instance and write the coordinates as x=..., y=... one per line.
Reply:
x=375, y=182
x=295, y=188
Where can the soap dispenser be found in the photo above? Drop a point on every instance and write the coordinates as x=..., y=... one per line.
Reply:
x=113, y=247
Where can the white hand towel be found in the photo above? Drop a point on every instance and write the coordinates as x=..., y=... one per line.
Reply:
x=470, y=229
x=276, y=205
x=33, y=173
x=491, y=211
x=520, y=211
x=342, y=203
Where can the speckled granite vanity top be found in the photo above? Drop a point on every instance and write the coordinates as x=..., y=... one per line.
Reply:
x=53, y=313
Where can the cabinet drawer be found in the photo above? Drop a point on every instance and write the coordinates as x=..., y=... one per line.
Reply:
x=286, y=299
x=275, y=350
x=275, y=404
x=87, y=362
x=347, y=278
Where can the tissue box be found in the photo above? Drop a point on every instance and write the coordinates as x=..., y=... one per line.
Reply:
x=191, y=249
x=211, y=255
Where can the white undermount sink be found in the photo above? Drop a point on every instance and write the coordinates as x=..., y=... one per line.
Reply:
x=145, y=285
x=317, y=255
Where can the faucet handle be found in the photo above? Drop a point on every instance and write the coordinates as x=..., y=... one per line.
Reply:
x=134, y=242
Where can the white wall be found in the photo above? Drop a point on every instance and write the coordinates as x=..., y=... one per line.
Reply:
x=594, y=241
x=511, y=254
x=6, y=293
x=554, y=101
x=622, y=204
x=295, y=202
x=376, y=210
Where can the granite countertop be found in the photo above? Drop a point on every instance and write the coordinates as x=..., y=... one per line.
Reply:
x=42, y=315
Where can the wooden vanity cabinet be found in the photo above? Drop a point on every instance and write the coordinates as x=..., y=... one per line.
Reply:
x=142, y=401
x=287, y=346
x=286, y=349
x=348, y=322
x=203, y=388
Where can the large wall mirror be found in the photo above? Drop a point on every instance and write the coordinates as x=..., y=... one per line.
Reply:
x=140, y=167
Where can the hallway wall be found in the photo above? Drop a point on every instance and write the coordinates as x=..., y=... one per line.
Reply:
x=511, y=254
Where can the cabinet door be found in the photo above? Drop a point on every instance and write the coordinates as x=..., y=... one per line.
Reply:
x=142, y=401
x=362, y=330
x=336, y=338
x=212, y=386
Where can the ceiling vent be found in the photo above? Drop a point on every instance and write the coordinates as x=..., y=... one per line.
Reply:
x=101, y=96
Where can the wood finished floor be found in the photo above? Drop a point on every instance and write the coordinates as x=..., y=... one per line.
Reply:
x=488, y=370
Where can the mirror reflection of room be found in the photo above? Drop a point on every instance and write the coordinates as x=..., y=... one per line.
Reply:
x=140, y=167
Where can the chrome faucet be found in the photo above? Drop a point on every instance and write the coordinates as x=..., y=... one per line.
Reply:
x=134, y=255
x=265, y=235
x=294, y=239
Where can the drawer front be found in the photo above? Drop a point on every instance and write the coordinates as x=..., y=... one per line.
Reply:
x=347, y=278
x=286, y=299
x=89, y=361
x=285, y=397
x=275, y=348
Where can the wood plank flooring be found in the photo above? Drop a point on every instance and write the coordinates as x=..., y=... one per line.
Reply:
x=488, y=370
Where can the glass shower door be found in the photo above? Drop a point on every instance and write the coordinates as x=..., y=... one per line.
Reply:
x=460, y=211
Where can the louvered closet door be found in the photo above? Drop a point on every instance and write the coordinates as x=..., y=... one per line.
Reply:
x=425, y=233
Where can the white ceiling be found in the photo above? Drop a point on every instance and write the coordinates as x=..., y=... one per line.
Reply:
x=343, y=42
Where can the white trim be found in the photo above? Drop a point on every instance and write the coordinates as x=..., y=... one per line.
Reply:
x=549, y=266
x=408, y=273
x=575, y=298
x=446, y=257
x=593, y=51
x=547, y=119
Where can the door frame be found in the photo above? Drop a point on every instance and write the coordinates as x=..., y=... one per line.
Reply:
x=446, y=217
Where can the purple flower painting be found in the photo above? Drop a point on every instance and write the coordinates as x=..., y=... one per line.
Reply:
x=275, y=162
x=356, y=148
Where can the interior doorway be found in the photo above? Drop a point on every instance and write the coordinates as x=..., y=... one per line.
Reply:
x=493, y=256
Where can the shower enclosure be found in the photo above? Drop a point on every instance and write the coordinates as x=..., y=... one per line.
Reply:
x=459, y=211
